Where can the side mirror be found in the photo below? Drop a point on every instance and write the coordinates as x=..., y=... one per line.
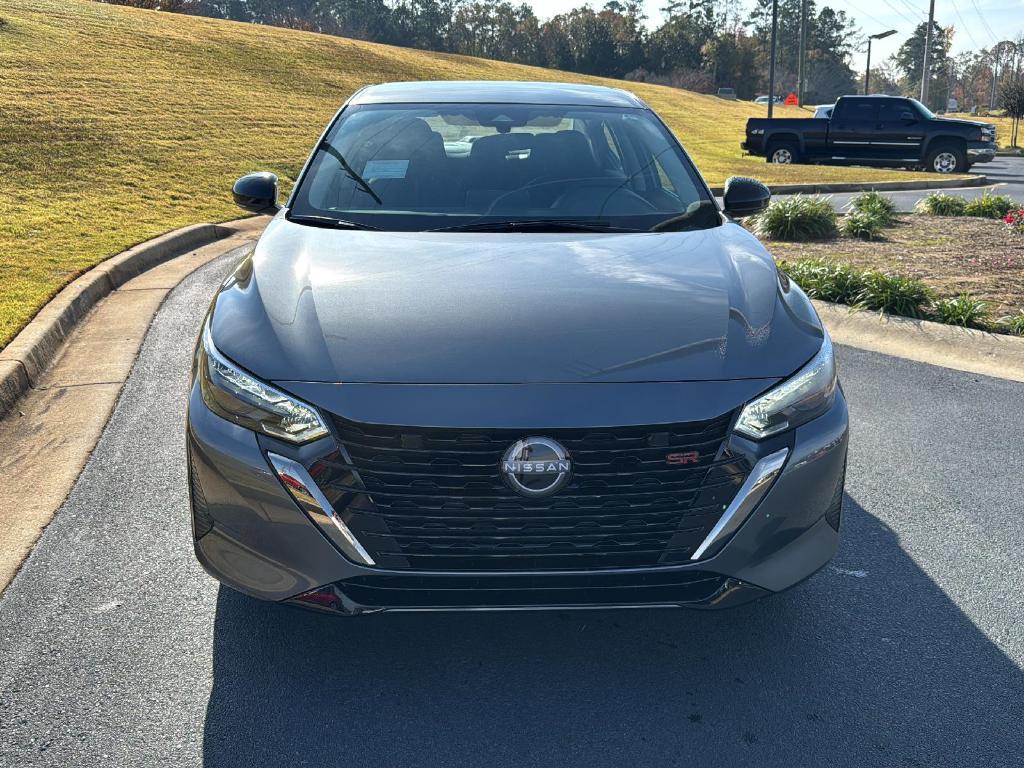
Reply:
x=745, y=197
x=256, y=192
x=908, y=117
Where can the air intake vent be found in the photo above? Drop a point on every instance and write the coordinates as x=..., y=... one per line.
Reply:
x=433, y=499
x=202, y=522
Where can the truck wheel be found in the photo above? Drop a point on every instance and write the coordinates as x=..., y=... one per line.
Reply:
x=783, y=152
x=948, y=159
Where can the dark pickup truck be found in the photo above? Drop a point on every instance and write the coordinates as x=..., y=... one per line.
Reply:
x=874, y=130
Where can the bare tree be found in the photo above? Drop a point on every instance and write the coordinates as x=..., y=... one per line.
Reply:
x=1011, y=98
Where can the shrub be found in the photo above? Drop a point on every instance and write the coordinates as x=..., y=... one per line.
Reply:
x=964, y=310
x=865, y=224
x=883, y=209
x=895, y=294
x=825, y=280
x=990, y=206
x=940, y=204
x=797, y=219
x=1014, y=323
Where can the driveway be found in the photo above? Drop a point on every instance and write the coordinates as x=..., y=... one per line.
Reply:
x=1005, y=173
x=117, y=650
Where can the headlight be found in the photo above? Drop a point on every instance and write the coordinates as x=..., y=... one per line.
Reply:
x=235, y=395
x=800, y=398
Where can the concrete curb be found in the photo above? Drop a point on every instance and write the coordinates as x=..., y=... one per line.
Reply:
x=28, y=355
x=880, y=186
x=61, y=414
x=948, y=346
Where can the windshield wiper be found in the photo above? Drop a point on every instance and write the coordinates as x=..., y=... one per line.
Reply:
x=534, y=225
x=327, y=221
x=350, y=172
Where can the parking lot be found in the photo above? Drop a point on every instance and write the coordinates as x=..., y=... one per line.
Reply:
x=1005, y=174
x=908, y=650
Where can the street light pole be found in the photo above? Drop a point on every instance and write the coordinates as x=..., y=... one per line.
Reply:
x=771, y=59
x=867, y=70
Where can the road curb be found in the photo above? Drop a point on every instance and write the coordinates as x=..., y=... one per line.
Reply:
x=83, y=349
x=29, y=354
x=948, y=346
x=879, y=186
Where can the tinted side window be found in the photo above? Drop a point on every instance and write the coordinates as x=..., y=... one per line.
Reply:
x=857, y=111
x=891, y=111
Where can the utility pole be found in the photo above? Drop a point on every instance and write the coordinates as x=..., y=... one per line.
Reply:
x=771, y=59
x=995, y=75
x=926, y=68
x=950, y=74
x=800, y=60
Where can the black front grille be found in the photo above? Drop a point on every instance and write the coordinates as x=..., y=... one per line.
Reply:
x=433, y=499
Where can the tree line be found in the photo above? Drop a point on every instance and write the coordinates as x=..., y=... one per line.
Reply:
x=976, y=79
x=701, y=45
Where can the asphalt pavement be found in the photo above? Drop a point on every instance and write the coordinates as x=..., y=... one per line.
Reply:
x=117, y=650
x=1006, y=175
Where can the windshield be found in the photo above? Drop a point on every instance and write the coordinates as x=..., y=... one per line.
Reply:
x=434, y=166
x=928, y=114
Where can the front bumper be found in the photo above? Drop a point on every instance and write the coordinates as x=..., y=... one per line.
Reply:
x=252, y=536
x=978, y=152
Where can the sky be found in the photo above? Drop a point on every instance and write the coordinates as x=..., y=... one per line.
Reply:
x=978, y=23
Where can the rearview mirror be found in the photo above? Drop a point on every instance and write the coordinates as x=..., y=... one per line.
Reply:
x=745, y=197
x=256, y=192
x=908, y=117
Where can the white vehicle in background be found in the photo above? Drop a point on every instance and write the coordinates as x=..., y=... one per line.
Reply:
x=824, y=111
x=763, y=100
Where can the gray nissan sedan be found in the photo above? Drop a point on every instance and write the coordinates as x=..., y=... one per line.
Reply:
x=502, y=349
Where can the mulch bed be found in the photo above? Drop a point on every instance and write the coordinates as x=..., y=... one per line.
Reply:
x=953, y=255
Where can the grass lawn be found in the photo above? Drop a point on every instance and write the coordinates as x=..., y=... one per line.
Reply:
x=953, y=255
x=118, y=124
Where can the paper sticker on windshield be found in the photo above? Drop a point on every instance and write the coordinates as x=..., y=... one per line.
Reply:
x=385, y=169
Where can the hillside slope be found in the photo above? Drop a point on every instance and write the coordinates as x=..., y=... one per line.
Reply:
x=118, y=124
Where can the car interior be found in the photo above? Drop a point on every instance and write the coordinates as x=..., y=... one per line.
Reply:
x=565, y=167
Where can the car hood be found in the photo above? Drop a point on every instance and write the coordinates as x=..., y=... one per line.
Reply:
x=323, y=305
x=961, y=121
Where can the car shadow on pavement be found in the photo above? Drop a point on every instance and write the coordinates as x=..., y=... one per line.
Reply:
x=867, y=663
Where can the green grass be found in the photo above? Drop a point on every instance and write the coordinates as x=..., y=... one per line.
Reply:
x=941, y=204
x=797, y=219
x=990, y=206
x=895, y=294
x=834, y=281
x=963, y=310
x=881, y=208
x=118, y=124
x=825, y=279
x=1014, y=323
x=867, y=225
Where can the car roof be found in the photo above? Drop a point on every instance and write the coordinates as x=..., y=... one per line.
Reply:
x=496, y=92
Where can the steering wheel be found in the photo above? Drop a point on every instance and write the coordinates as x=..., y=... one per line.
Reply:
x=627, y=202
x=600, y=181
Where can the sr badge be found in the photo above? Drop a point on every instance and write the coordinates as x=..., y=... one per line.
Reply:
x=536, y=466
